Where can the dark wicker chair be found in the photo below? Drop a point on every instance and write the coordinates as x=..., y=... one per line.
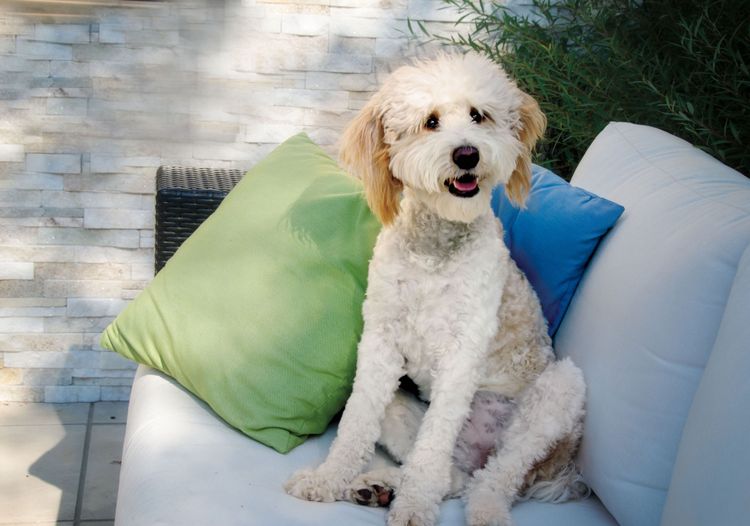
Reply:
x=185, y=197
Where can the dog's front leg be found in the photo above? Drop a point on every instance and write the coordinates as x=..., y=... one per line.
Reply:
x=379, y=367
x=426, y=475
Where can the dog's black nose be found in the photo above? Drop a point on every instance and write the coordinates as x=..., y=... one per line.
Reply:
x=466, y=157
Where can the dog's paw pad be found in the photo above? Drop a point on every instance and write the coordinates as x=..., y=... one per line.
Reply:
x=375, y=495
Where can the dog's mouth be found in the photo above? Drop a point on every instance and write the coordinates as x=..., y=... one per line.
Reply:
x=465, y=186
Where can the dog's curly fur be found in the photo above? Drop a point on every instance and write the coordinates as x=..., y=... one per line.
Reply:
x=497, y=418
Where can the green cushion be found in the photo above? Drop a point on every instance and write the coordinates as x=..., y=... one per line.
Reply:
x=259, y=312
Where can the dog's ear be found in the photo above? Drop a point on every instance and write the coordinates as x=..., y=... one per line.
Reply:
x=531, y=129
x=364, y=152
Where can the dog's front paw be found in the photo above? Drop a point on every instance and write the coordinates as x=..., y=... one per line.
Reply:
x=368, y=490
x=406, y=512
x=487, y=508
x=312, y=484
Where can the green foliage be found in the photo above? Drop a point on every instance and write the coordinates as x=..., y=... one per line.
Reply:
x=678, y=65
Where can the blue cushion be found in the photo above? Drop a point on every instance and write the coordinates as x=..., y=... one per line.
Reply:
x=554, y=236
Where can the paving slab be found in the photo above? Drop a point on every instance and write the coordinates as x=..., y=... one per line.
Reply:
x=33, y=414
x=110, y=412
x=102, y=471
x=40, y=470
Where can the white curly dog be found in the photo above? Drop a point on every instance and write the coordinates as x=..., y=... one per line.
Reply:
x=497, y=418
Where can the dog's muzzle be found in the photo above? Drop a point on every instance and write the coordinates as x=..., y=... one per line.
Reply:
x=467, y=185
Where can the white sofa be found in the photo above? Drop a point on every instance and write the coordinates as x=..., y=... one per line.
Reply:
x=660, y=325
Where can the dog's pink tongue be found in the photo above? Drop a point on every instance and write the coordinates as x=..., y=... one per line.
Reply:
x=465, y=186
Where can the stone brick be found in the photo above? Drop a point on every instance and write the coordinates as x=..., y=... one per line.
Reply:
x=83, y=271
x=339, y=63
x=432, y=11
x=43, y=50
x=123, y=182
x=10, y=376
x=350, y=26
x=54, y=288
x=116, y=393
x=112, y=255
x=47, y=343
x=113, y=361
x=117, y=218
x=271, y=133
x=61, y=163
x=44, y=377
x=68, y=69
x=32, y=181
x=17, y=393
x=302, y=24
x=111, y=34
x=143, y=271
x=312, y=98
x=21, y=325
x=94, y=307
x=16, y=270
x=63, y=324
x=23, y=303
x=62, y=33
x=60, y=106
x=85, y=236
x=72, y=394
x=35, y=312
x=12, y=153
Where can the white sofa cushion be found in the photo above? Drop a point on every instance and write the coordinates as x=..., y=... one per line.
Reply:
x=711, y=477
x=183, y=466
x=646, y=314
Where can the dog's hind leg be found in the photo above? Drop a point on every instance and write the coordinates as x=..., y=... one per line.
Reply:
x=548, y=411
x=400, y=426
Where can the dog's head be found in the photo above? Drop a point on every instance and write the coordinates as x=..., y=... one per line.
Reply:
x=449, y=130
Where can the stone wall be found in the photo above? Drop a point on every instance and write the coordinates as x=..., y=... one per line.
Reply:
x=92, y=104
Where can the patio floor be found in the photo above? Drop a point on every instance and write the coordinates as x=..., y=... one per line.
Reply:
x=60, y=463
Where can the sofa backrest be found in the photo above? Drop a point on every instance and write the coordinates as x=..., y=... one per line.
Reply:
x=646, y=315
x=711, y=477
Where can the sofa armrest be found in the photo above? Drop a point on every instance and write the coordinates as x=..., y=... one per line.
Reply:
x=185, y=197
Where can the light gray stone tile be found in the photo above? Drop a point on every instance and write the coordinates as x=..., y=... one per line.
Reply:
x=117, y=218
x=40, y=472
x=116, y=393
x=63, y=163
x=338, y=63
x=62, y=33
x=48, y=360
x=12, y=153
x=66, y=106
x=304, y=24
x=110, y=413
x=43, y=50
x=102, y=473
x=20, y=393
x=16, y=270
x=23, y=414
x=21, y=325
x=94, y=307
x=71, y=393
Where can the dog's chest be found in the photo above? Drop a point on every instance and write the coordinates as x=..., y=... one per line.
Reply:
x=431, y=302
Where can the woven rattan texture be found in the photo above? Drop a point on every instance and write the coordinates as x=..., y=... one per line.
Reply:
x=185, y=197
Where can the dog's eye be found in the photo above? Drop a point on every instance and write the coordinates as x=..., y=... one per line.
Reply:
x=476, y=116
x=432, y=122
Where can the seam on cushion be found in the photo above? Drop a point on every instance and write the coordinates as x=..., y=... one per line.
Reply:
x=671, y=177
